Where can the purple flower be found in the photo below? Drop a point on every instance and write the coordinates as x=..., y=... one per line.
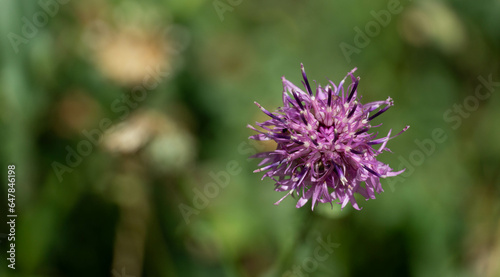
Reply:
x=324, y=145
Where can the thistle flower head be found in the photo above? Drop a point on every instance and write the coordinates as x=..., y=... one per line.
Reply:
x=325, y=150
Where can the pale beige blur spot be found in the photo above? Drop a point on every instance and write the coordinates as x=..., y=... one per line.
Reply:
x=126, y=55
x=434, y=23
x=126, y=41
x=167, y=144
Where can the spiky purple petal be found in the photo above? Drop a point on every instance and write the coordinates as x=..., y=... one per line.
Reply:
x=324, y=148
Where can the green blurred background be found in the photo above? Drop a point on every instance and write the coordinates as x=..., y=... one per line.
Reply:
x=118, y=115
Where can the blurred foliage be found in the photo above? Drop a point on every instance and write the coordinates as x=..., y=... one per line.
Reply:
x=118, y=115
